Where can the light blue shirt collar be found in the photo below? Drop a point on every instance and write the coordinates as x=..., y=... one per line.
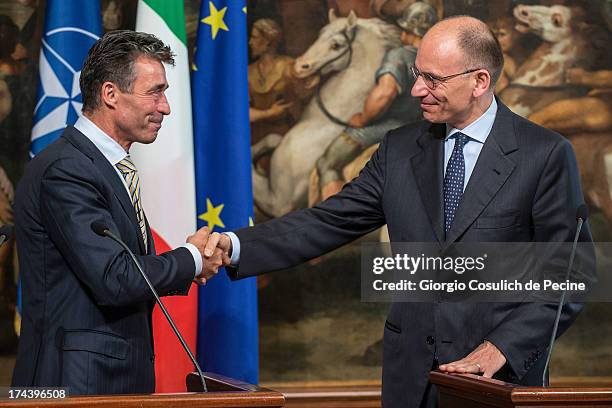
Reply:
x=110, y=149
x=479, y=129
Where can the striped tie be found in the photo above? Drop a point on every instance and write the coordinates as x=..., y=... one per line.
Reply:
x=130, y=174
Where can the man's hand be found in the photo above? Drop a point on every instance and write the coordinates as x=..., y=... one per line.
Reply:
x=210, y=266
x=486, y=359
x=220, y=242
x=199, y=239
x=216, y=253
x=211, y=263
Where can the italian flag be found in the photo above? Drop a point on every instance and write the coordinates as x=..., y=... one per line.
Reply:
x=168, y=188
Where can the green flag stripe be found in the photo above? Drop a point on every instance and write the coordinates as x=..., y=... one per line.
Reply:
x=173, y=13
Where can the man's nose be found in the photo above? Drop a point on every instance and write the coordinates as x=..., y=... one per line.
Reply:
x=164, y=106
x=419, y=89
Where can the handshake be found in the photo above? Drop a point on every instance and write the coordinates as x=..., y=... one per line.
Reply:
x=216, y=250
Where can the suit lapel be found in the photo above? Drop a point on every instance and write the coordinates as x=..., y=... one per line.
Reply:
x=150, y=240
x=492, y=169
x=430, y=182
x=82, y=143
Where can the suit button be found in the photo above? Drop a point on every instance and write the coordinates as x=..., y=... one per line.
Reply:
x=431, y=339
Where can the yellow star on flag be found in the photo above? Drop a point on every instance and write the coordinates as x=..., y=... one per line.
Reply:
x=212, y=215
x=215, y=19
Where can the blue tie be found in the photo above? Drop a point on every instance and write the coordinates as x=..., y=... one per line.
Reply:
x=453, y=179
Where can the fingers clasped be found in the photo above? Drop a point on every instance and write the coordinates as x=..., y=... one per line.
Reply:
x=215, y=249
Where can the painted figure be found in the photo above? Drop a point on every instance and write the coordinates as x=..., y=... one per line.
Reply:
x=591, y=113
x=275, y=93
x=6, y=187
x=350, y=50
x=7, y=196
x=112, y=15
x=587, y=122
x=388, y=105
x=393, y=9
x=9, y=37
x=343, y=8
x=540, y=80
x=508, y=37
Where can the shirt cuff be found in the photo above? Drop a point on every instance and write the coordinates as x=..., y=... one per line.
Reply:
x=235, y=259
x=197, y=257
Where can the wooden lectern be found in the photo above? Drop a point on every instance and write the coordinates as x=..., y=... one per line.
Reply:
x=223, y=392
x=473, y=391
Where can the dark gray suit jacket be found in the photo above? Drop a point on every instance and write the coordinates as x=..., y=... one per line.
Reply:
x=86, y=320
x=525, y=187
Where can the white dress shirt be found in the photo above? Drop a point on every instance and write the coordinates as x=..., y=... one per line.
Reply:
x=477, y=133
x=114, y=153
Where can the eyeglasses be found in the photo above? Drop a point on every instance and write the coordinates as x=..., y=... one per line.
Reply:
x=432, y=81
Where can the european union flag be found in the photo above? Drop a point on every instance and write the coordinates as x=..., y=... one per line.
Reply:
x=71, y=28
x=227, y=317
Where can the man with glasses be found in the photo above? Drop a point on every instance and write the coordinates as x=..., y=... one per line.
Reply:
x=472, y=171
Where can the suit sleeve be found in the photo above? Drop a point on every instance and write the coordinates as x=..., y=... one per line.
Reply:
x=71, y=199
x=524, y=335
x=302, y=235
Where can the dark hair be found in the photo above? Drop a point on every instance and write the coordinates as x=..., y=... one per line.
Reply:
x=111, y=59
x=9, y=35
x=481, y=48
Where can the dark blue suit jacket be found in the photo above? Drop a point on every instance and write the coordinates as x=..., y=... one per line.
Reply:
x=86, y=320
x=525, y=187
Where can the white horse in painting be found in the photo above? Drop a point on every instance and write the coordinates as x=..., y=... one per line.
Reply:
x=353, y=48
x=540, y=80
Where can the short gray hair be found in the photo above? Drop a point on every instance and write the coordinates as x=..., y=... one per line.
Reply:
x=111, y=59
x=481, y=48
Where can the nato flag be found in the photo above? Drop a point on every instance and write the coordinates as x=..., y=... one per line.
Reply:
x=71, y=28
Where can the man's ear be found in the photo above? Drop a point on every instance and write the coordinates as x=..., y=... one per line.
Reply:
x=483, y=82
x=109, y=94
